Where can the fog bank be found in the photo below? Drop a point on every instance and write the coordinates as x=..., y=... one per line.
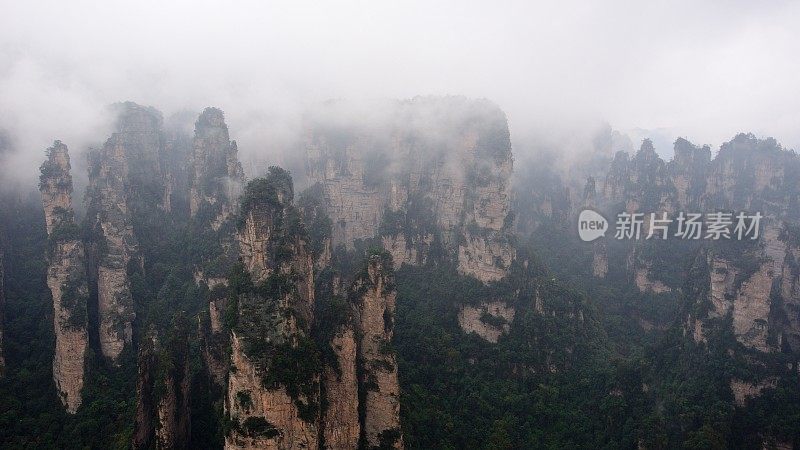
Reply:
x=703, y=71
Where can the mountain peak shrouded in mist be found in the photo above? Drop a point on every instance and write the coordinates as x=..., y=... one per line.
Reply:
x=686, y=153
x=646, y=151
x=211, y=118
x=132, y=116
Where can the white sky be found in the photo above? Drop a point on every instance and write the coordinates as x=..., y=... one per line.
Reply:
x=703, y=70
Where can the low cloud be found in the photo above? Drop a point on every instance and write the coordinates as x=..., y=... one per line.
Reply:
x=703, y=71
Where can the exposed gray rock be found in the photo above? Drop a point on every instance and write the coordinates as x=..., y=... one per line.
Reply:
x=66, y=277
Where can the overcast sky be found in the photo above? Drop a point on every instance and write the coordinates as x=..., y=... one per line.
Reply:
x=703, y=70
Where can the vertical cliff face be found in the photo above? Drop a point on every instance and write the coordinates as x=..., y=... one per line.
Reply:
x=688, y=171
x=748, y=174
x=432, y=174
x=790, y=290
x=114, y=245
x=162, y=418
x=145, y=418
x=128, y=177
x=176, y=151
x=616, y=178
x=214, y=342
x=736, y=294
x=484, y=249
x=752, y=282
x=643, y=183
x=639, y=183
x=311, y=205
x=55, y=184
x=273, y=384
x=752, y=289
x=139, y=130
x=306, y=372
x=486, y=257
x=335, y=332
x=133, y=175
x=273, y=242
x=753, y=174
x=355, y=207
x=214, y=186
x=216, y=178
x=379, y=386
x=174, y=407
x=599, y=247
x=66, y=277
x=341, y=426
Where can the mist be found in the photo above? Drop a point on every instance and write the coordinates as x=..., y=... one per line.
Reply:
x=701, y=71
